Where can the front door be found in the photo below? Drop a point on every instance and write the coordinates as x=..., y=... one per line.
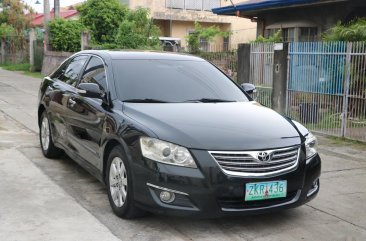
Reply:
x=87, y=115
x=60, y=89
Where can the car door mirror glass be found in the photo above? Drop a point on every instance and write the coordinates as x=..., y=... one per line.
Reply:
x=91, y=90
x=249, y=88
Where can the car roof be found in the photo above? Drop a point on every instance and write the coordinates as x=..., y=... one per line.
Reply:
x=146, y=55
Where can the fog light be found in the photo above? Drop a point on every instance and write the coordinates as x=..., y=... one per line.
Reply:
x=167, y=197
x=314, y=188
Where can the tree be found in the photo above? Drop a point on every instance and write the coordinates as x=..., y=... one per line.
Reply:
x=103, y=18
x=353, y=31
x=65, y=35
x=13, y=23
x=13, y=14
x=208, y=34
x=137, y=30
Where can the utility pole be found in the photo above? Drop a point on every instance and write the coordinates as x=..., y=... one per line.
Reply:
x=46, y=19
x=57, y=8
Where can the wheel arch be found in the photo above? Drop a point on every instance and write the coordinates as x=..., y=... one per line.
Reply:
x=111, y=143
x=41, y=109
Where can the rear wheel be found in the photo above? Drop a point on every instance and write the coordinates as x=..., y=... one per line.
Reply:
x=119, y=183
x=48, y=148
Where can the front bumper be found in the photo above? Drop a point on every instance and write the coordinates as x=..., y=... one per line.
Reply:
x=208, y=192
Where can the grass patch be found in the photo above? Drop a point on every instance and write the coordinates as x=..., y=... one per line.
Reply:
x=346, y=142
x=16, y=67
x=23, y=68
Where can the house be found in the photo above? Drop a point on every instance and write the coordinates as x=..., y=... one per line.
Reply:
x=176, y=18
x=299, y=20
x=65, y=13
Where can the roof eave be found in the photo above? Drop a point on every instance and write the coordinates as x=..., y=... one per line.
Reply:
x=245, y=13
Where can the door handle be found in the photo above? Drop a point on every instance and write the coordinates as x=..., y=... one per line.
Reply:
x=71, y=102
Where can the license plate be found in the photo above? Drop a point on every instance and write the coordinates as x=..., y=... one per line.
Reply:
x=265, y=190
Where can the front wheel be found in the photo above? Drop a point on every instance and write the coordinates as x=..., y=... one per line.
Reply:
x=119, y=183
x=48, y=148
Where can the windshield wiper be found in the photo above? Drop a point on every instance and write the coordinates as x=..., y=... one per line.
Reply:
x=209, y=100
x=145, y=101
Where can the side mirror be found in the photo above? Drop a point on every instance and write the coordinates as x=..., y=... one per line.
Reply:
x=249, y=88
x=90, y=90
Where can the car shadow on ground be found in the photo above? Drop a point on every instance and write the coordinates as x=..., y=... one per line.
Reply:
x=92, y=195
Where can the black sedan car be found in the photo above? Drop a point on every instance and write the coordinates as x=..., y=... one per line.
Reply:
x=172, y=134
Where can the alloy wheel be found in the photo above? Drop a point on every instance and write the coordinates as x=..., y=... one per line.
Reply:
x=45, y=133
x=118, y=181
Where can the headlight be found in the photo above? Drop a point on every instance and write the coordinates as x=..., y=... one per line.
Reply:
x=311, y=145
x=165, y=152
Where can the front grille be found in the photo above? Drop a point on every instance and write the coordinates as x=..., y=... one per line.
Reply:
x=252, y=163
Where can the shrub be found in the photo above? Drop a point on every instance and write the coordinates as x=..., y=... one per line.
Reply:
x=353, y=31
x=275, y=38
x=65, y=35
x=208, y=33
x=138, y=31
x=103, y=18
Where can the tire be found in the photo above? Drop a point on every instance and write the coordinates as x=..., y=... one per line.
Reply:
x=45, y=138
x=119, y=184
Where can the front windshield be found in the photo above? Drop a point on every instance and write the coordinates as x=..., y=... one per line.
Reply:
x=173, y=81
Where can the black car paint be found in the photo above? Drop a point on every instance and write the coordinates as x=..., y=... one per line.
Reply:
x=89, y=128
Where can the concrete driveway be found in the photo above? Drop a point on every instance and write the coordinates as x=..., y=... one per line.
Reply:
x=43, y=199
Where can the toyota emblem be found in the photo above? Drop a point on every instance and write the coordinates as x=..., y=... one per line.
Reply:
x=264, y=156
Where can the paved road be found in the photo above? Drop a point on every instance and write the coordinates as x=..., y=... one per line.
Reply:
x=45, y=199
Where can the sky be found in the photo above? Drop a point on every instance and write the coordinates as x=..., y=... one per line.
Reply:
x=39, y=7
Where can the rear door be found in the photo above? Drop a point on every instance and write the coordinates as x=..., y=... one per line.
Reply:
x=64, y=81
x=87, y=115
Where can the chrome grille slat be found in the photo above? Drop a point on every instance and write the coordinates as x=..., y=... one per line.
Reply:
x=234, y=157
x=238, y=163
x=285, y=154
x=260, y=168
x=293, y=158
x=247, y=163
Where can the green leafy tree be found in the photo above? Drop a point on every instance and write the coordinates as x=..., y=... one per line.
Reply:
x=137, y=31
x=353, y=31
x=208, y=33
x=275, y=38
x=6, y=30
x=13, y=14
x=65, y=35
x=14, y=21
x=103, y=18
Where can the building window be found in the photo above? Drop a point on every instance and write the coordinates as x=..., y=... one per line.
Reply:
x=175, y=4
x=205, y=45
x=226, y=44
x=288, y=34
x=197, y=5
x=303, y=34
x=308, y=34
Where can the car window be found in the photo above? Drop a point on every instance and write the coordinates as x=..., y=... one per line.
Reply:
x=57, y=74
x=70, y=72
x=95, y=73
x=173, y=81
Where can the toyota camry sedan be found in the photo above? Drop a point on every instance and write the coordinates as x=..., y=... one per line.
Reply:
x=172, y=134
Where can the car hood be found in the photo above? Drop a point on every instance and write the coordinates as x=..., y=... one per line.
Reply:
x=215, y=126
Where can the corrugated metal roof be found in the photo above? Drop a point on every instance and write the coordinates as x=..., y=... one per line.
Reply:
x=256, y=5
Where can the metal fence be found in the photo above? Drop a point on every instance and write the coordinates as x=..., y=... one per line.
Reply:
x=327, y=87
x=261, y=71
x=226, y=60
